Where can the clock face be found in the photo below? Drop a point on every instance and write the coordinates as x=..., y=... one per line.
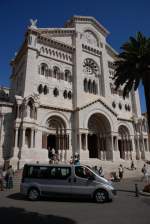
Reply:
x=90, y=67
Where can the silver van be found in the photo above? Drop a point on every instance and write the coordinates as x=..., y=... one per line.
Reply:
x=78, y=180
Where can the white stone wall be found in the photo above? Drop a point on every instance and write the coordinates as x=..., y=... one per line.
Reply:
x=67, y=49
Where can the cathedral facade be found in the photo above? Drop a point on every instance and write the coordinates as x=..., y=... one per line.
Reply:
x=62, y=96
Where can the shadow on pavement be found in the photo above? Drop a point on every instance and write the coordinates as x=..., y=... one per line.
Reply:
x=19, y=215
x=18, y=196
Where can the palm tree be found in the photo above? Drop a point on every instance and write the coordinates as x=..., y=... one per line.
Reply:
x=133, y=67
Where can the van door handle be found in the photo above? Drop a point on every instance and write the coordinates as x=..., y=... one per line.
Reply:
x=69, y=180
x=75, y=180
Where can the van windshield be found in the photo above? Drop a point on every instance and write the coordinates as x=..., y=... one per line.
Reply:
x=83, y=172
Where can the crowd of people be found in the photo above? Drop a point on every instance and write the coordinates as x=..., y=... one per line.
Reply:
x=6, y=178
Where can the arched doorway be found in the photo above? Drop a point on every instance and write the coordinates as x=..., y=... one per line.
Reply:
x=56, y=136
x=99, y=138
x=124, y=143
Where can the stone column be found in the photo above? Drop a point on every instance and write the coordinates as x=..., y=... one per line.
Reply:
x=80, y=141
x=1, y=129
x=16, y=138
x=112, y=147
x=86, y=141
x=23, y=137
x=70, y=140
x=32, y=132
x=1, y=139
x=18, y=111
x=35, y=139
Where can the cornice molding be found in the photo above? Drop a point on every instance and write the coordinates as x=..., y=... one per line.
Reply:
x=111, y=50
x=55, y=43
x=58, y=31
x=54, y=31
x=125, y=119
x=55, y=108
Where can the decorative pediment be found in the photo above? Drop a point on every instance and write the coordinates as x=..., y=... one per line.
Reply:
x=101, y=102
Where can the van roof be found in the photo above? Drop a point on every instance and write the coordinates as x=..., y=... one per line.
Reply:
x=43, y=164
x=59, y=165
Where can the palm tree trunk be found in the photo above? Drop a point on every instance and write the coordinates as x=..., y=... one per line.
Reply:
x=146, y=83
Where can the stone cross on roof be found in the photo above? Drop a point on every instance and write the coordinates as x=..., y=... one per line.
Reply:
x=33, y=23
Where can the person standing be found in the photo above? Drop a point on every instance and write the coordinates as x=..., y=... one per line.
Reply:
x=96, y=169
x=121, y=171
x=132, y=165
x=101, y=172
x=77, y=159
x=1, y=179
x=145, y=173
x=9, y=178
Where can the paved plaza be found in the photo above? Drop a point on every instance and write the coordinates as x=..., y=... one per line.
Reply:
x=125, y=209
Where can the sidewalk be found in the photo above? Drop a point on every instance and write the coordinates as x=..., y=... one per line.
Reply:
x=128, y=184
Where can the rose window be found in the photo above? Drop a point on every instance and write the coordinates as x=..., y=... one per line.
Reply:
x=90, y=67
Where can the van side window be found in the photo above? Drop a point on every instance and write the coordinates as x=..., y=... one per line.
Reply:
x=83, y=172
x=38, y=172
x=60, y=172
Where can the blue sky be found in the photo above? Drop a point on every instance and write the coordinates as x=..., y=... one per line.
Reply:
x=121, y=18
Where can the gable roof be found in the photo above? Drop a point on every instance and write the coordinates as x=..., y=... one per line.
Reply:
x=102, y=102
x=87, y=19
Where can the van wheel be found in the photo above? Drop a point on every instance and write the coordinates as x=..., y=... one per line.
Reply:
x=101, y=196
x=33, y=194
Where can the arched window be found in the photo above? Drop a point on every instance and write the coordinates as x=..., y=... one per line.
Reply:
x=113, y=104
x=67, y=75
x=46, y=50
x=69, y=95
x=40, y=88
x=65, y=94
x=45, y=90
x=30, y=109
x=89, y=86
x=120, y=106
x=56, y=92
x=85, y=85
x=56, y=72
x=44, y=69
x=94, y=87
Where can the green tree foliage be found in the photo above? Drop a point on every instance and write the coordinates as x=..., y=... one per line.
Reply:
x=133, y=67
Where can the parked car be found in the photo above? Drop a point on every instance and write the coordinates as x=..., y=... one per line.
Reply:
x=78, y=180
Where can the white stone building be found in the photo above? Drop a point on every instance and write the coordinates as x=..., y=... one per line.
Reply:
x=62, y=96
